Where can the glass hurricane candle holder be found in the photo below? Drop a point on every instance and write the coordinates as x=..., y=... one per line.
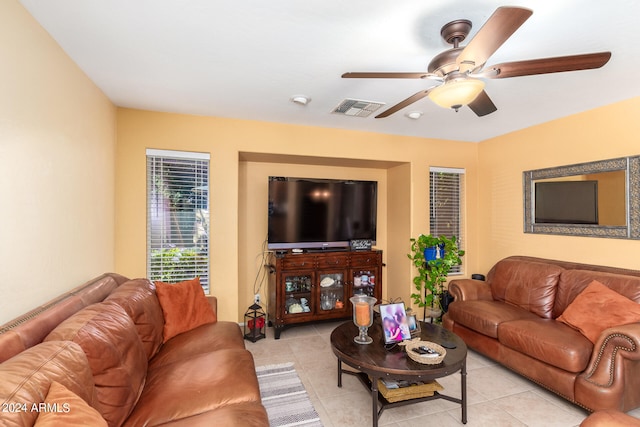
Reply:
x=363, y=316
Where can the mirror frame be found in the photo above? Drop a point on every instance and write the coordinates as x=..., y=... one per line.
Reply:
x=631, y=166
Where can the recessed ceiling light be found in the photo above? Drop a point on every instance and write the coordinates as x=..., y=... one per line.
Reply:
x=414, y=115
x=300, y=99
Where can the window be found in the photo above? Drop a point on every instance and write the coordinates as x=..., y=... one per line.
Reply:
x=178, y=216
x=446, y=198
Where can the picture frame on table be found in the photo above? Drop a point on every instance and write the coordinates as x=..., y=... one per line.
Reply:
x=414, y=325
x=394, y=323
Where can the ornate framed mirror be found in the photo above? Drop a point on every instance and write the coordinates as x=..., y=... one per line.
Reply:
x=595, y=199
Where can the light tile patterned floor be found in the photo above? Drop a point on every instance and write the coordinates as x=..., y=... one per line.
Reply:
x=497, y=396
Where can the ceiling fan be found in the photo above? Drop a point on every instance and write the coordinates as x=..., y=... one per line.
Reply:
x=460, y=70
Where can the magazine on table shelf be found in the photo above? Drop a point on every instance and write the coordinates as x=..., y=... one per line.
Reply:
x=395, y=384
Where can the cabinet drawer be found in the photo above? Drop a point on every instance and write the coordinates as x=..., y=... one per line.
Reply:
x=364, y=260
x=298, y=261
x=332, y=261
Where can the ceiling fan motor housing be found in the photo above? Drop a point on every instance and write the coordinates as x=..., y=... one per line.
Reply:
x=445, y=62
x=453, y=33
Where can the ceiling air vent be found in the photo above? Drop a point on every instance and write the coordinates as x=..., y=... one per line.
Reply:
x=357, y=108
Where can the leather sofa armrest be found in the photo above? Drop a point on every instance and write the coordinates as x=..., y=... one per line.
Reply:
x=610, y=418
x=614, y=344
x=469, y=289
x=213, y=301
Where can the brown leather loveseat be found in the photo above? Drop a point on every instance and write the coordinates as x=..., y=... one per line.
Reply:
x=103, y=342
x=513, y=318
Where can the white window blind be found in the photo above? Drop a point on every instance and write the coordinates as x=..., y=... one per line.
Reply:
x=178, y=216
x=446, y=198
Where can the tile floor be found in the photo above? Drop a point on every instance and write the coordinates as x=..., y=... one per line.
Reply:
x=496, y=396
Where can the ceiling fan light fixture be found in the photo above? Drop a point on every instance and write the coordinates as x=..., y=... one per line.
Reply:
x=456, y=93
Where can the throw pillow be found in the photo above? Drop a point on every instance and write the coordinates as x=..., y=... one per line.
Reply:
x=184, y=307
x=597, y=308
x=63, y=407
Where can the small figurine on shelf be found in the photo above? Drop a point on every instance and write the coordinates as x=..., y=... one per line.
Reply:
x=305, y=305
x=339, y=305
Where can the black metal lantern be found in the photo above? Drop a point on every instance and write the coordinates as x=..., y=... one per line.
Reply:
x=254, y=323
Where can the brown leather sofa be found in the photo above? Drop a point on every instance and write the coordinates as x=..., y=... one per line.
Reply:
x=103, y=342
x=511, y=318
x=610, y=419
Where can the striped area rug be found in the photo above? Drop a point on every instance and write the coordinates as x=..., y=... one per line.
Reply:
x=285, y=398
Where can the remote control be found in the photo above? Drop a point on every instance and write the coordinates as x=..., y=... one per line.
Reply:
x=425, y=351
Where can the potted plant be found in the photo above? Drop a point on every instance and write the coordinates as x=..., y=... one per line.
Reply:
x=433, y=257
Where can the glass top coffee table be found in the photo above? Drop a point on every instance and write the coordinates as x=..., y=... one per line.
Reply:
x=374, y=362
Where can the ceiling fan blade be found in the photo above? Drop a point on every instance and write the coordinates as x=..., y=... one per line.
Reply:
x=498, y=28
x=399, y=106
x=482, y=105
x=559, y=64
x=384, y=75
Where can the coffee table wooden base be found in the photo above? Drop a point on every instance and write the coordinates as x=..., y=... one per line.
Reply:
x=370, y=367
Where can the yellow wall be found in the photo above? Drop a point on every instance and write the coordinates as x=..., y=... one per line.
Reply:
x=253, y=219
x=398, y=281
x=244, y=153
x=608, y=132
x=57, y=142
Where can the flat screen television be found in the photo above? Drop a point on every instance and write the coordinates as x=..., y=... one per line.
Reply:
x=566, y=202
x=320, y=213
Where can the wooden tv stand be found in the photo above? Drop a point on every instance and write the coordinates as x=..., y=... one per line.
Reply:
x=317, y=286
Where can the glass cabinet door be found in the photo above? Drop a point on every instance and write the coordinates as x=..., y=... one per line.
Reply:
x=364, y=282
x=297, y=288
x=332, y=295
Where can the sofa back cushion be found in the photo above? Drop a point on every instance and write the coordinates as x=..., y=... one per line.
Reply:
x=139, y=300
x=115, y=354
x=526, y=284
x=26, y=379
x=573, y=282
x=32, y=327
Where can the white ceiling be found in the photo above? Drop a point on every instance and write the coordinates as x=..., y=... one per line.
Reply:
x=245, y=59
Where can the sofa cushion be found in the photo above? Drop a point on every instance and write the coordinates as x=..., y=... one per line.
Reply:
x=203, y=339
x=526, y=284
x=65, y=408
x=597, y=308
x=572, y=282
x=117, y=359
x=32, y=327
x=196, y=385
x=248, y=414
x=184, y=307
x=485, y=316
x=26, y=378
x=548, y=341
x=139, y=300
